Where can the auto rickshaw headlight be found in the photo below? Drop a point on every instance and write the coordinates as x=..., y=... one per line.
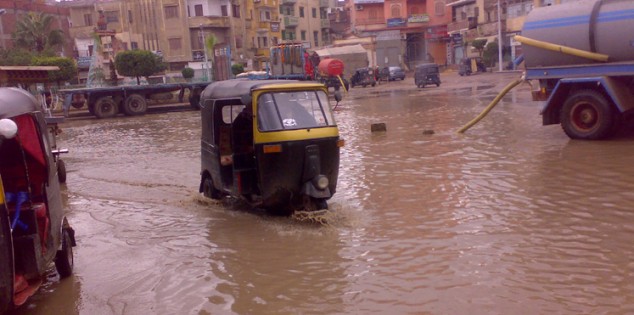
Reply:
x=321, y=182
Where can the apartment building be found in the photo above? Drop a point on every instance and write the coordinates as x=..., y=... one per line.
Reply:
x=307, y=21
x=403, y=32
x=173, y=29
x=263, y=28
x=477, y=19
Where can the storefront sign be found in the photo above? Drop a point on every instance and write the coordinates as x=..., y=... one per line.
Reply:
x=418, y=18
x=396, y=22
x=275, y=26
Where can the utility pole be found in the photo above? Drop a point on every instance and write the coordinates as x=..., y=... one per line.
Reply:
x=499, y=38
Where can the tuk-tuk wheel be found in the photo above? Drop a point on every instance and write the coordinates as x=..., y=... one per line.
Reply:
x=64, y=261
x=61, y=171
x=209, y=190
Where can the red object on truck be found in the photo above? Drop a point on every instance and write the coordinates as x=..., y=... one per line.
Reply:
x=330, y=67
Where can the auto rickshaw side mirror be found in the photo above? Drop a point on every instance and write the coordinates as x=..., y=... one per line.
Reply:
x=8, y=128
x=338, y=96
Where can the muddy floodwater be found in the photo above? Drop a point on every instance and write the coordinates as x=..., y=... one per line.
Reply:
x=511, y=217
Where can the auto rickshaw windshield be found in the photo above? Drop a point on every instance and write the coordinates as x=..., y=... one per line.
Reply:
x=293, y=110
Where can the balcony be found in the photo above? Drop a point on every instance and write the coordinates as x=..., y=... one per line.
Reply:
x=488, y=29
x=325, y=23
x=209, y=21
x=288, y=2
x=291, y=21
x=266, y=3
x=323, y=3
x=467, y=24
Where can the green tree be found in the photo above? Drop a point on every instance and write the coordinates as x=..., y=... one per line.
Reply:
x=35, y=32
x=210, y=43
x=138, y=63
x=490, y=55
x=67, y=68
x=187, y=72
x=479, y=44
x=237, y=68
x=15, y=57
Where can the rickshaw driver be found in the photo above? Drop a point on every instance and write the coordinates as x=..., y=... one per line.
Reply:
x=243, y=137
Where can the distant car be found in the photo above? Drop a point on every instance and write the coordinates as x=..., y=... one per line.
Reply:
x=394, y=73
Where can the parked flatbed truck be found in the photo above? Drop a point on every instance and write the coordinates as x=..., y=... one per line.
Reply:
x=131, y=100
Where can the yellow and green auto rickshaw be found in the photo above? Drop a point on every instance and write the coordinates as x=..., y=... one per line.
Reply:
x=272, y=143
x=33, y=229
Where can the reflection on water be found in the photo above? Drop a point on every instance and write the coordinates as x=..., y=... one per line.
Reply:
x=509, y=218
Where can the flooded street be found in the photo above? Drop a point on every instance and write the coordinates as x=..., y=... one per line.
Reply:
x=511, y=217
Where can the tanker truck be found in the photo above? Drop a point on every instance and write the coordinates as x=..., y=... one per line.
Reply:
x=582, y=55
x=290, y=61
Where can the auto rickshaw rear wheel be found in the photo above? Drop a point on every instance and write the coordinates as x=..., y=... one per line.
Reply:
x=64, y=261
x=209, y=190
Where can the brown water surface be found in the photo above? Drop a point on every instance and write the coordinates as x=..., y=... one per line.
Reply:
x=510, y=218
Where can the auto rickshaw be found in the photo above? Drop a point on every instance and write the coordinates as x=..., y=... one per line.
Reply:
x=33, y=229
x=363, y=77
x=271, y=143
x=471, y=65
x=426, y=73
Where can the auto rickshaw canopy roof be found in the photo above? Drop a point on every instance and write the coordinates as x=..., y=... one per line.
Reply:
x=16, y=101
x=238, y=87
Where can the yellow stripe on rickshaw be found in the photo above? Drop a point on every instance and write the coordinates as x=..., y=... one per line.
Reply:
x=296, y=135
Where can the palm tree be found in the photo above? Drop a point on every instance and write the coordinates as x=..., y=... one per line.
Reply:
x=34, y=32
x=210, y=42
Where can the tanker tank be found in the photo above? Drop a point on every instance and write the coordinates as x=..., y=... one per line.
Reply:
x=600, y=26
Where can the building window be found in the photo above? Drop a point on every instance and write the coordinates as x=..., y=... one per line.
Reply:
x=396, y=11
x=236, y=10
x=112, y=16
x=265, y=16
x=223, y=10
x=303, y=35
x=87, y=19
x=274, y=40
x=134, y=45
x=171, y=12
x=198, y=10
x=130, y=16
x=175, y=44
x=316, y=38
x=125, y=46
x=238, y=42
x=314, y=13
x=301, y=11
x=439, y=8
x=373, y=14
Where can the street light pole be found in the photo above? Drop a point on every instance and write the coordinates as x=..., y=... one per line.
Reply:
x=499, y=38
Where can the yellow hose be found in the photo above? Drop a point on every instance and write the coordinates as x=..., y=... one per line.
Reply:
x=495, y=101
x=343, y=85
x=563, y=49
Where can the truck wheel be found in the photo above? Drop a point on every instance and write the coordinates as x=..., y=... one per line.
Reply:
x=64, y=258
x=587, y=115
x=105, y=107
x=135, y=104
x=194, y=98
x=209, y=190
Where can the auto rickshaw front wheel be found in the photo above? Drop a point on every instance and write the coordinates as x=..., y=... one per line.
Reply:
x=64, y=261
x=209, y=190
